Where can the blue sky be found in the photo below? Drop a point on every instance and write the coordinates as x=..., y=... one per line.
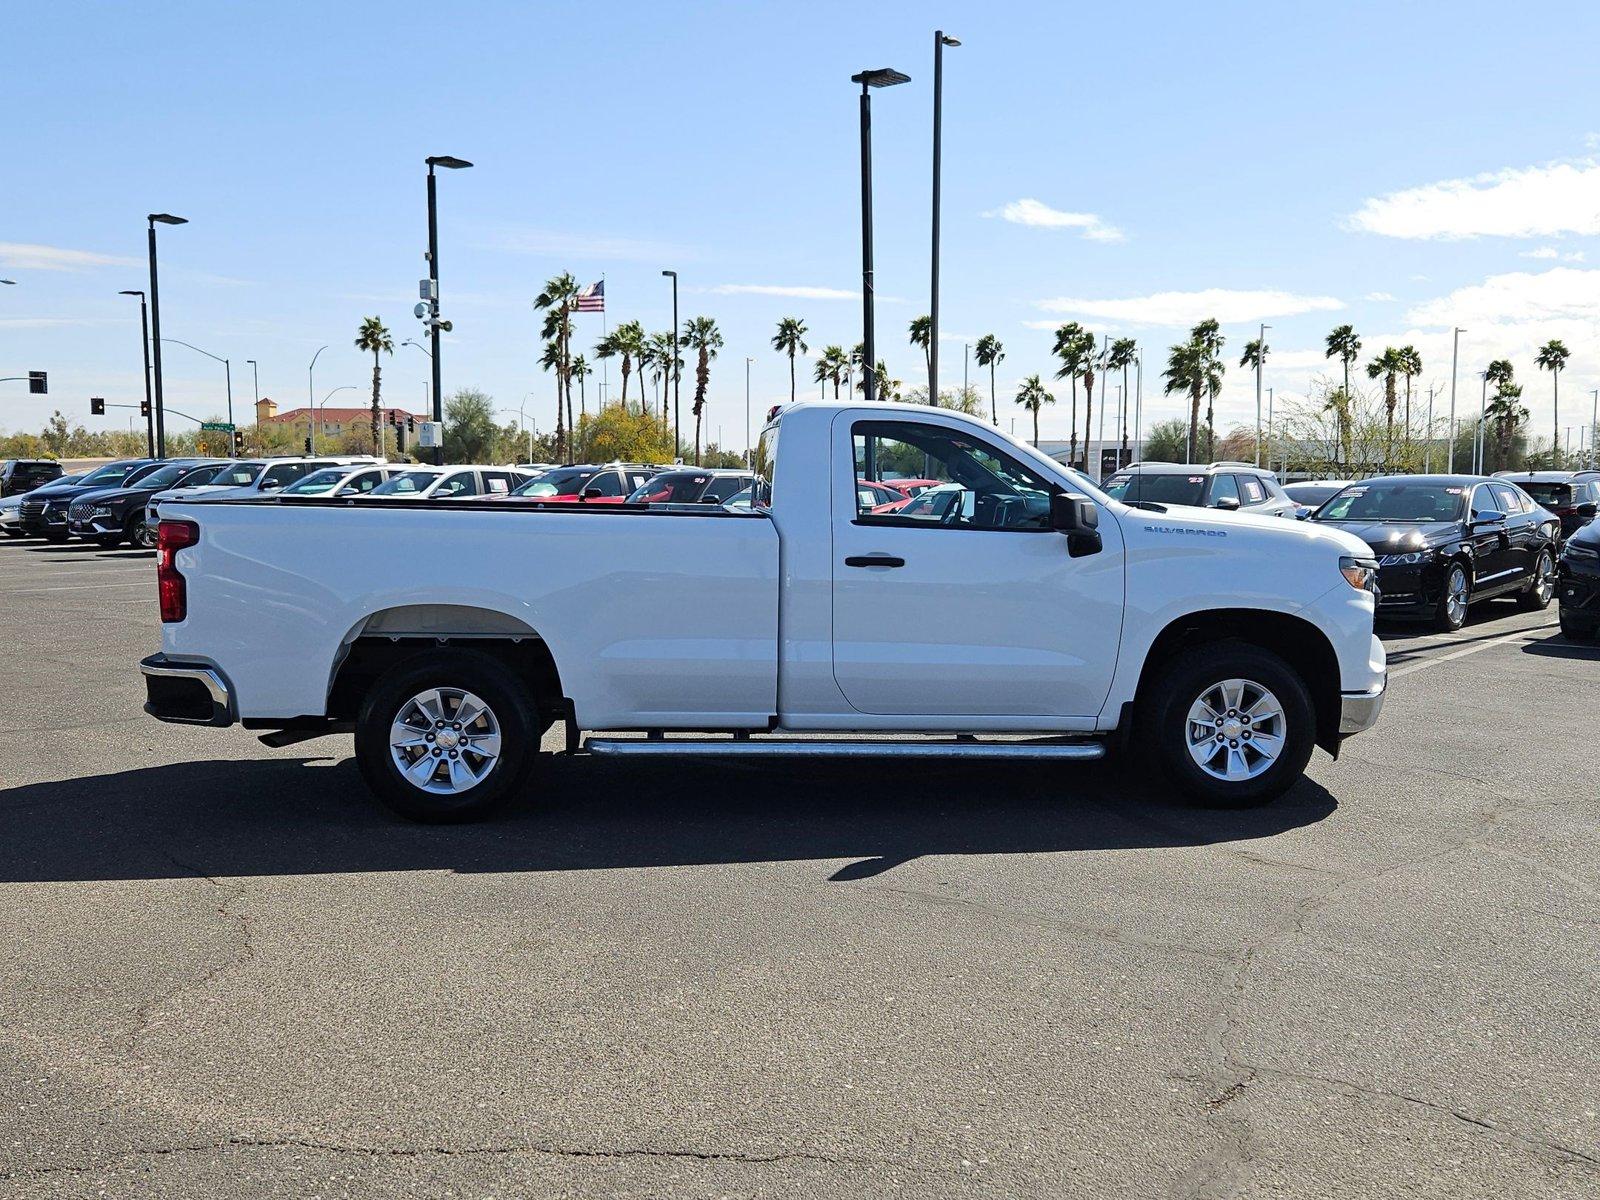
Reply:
x=1399, y=166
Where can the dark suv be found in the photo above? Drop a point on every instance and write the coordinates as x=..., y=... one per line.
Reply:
x=115, y=514
x=1572, y=498
x=44, y=510
x=19, y=475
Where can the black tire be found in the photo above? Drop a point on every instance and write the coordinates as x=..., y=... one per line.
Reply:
x=56, y=539
x=109, y=540
x=1577, y=629
x=510, y=706
x=1185, y=680
x=1444, y=618
x=1542, y=587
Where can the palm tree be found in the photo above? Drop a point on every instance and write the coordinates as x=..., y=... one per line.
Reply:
x=1504, y=410
x=701, y=335
x=921, y=332
x=1344, y=345
x=819, y=376
x=790, y=340
x=990, y=354
x=1338, y=403
x=1193, y=368
x=1553, y=357
x=1033, y=396
x=373, y=337
x=580, y=370
x=556, y=302
x=1412, y=368
x=1074, y=345
x=663, y=365
x=1208, y=336
x=645, y=358
x=550, y=360
x=833, y=364
x=1386, y=366
x=888, y=388
x=1123, y=353
x=858, y=355
x=622, y=342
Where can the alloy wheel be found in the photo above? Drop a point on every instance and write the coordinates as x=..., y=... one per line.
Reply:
x=1236, y=730
x=445, y=740
x=1544, y=578
x=1456, y=595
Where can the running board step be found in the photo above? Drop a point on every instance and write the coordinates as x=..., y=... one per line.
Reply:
x=841, y=748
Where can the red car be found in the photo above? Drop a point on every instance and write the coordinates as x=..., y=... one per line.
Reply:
x=911, y=487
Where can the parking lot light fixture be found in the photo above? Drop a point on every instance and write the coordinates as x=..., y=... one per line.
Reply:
x=454, y=164
x=154, y=219
x=311, y=396
x=940, y=41
x=144, y=343
x=1450, y=442
x=878, y=78
x=677, y=439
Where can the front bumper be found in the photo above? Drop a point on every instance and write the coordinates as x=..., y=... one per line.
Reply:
x=1410, y=588
x=186, y=693
x=1578, y=588
x=1358, y=711
x=52, y=520
x=93, y=527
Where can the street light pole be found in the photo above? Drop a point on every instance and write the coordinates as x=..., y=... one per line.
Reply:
x=454, y=164
x=1261, y=358
x=677, y=412
x=749, y=450
x=1450, y=442
x=1479, y=457
x=881, y=77
x=940, y=41
x=311, y=396
x=155, y=326
x=1427, y=453
x=144, y=342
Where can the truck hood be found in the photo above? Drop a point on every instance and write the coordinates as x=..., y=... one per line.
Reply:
x=1185, y=521
x=1391, y=537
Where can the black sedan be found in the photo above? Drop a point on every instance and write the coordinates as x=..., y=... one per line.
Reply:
x=113, y=515
x=1446, y=541
x=1573, y=499
x=1579, y=584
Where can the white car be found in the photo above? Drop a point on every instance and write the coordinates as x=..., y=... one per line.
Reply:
x=1033, y=613
x=11, y=515
x=450, y=483
x=339, y=481
x=251, y=477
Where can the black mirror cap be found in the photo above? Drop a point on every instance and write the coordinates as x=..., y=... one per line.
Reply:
x=590, y=493
x=1071, y=512
x=1227, y=503
x=1488, y=516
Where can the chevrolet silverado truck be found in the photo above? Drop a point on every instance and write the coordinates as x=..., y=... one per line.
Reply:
x=1033, y=618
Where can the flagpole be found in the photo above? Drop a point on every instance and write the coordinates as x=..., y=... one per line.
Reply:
x=605, y=332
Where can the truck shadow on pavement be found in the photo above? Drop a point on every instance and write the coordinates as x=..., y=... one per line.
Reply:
x=294, y=816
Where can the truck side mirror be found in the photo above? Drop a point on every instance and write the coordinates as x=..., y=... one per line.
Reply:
x=1227, y=503
x=1077, y=517
x=590, y=493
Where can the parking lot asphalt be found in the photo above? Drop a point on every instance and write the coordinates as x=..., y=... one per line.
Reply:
x=225, y=972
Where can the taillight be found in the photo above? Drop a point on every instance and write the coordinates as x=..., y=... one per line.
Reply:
x=172, y=536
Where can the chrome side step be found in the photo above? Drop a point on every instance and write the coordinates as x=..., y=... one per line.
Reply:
x=1080, y=751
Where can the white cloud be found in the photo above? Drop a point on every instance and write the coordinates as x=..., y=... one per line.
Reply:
x=1379, y=297
x=1561, y=293
x=796, y=291
x=1550, y=253
x=1039, y=215
x=25, y=256
x=1548, y=201
x=1185, y=308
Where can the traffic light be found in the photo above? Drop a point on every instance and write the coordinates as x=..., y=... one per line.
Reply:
x=97, y=406
x=144, y=408
x=308, y=445
x=238, y=443
x=411, y=424
x=38, y=383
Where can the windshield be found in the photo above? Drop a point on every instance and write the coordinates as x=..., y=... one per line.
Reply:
x=110, y=473
x=410, y=483
x=1165, y=487
x=317, y=482
x=562, y=482
x=1395, y=502
x=1313, y=494
x=1549, y=494
x=165, y=476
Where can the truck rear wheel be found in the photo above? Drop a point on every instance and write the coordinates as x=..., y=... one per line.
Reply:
x=446, y=736
x=1233, y=724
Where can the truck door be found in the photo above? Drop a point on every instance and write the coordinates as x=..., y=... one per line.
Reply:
x=964, y=601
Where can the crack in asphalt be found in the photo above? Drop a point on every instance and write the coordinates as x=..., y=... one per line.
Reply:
x=145, y=1019
x=397, y=1152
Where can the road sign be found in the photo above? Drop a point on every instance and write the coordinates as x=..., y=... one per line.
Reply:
x=430, y=434
x=217, y=426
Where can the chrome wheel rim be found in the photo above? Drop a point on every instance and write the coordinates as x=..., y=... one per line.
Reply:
x=1544, y=583
x=143, y=537
x=1455, y=601
x=445, y=741
x=1236, y=730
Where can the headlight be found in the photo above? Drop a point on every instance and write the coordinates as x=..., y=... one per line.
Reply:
x=1359, y=573
x=100, y=510
x=1404, y=560
x=1584, y=552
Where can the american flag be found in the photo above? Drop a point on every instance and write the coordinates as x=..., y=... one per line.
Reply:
x=593, y=297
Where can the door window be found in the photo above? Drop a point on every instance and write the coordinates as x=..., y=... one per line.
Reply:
x=980, y=487
x=1484, y=499
x=724, y=487
x=462, y=483
x=1222, y=488
x=365, y=482
x=497, y=483
x=1254, y=493
x=606, y=483
x=1510, y=498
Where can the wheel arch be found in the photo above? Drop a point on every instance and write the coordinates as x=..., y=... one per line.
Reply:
x=1297, y=641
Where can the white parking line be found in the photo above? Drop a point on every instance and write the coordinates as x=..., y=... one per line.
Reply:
x=1444, y=658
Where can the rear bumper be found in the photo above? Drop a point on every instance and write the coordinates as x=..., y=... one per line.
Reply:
x=1358, y=711
x=186, y=693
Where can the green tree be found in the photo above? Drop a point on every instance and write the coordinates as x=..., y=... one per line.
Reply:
x=1344, y=345
x=1165, y=441
x=1338, y=403
x=375, y=339
x=990, y=354
x=790, y=340
x=581, y=370
x=617, y=434
x=470, y=433
x=1195, y=367
x=1553, y=357
x=921, y=331
x=701, y=335
x=1074, y=346
x=626, y=342
x=1505, y=411
x=1033, y=396
x=556, y=301
x=1411, y=362
x=1388, y=366
x=1208, y=335
x=1124, y=352
x=550, y=360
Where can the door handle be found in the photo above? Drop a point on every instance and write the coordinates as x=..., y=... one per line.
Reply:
x=874, y=560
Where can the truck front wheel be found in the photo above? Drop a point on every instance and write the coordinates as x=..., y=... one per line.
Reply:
x=1233, y=724
x=446, y=736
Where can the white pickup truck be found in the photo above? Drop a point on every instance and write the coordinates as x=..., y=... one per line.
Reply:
x=1032, y=618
